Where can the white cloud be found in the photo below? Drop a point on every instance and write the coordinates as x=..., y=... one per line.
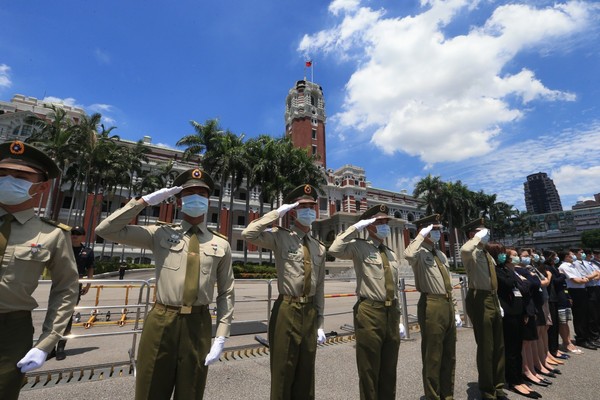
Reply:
x=100, y=108
x=575, y=180
x=108, y=121
x=415, y=86
x=102, y=56
x=69, y=101
x=574, y=169
x=5, y=81
x=337, y=6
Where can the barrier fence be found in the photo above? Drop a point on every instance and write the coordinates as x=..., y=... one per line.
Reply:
x=139, y=295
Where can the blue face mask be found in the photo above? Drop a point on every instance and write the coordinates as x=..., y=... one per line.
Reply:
x=536, y=258
x=526, y=260
x=306, y=216
x=383, y=230
x=435, y=236
x=515, y=259
x=14, y=190
x=501, y=258
x=194, y=205
x=556, y=260
x=583, y=256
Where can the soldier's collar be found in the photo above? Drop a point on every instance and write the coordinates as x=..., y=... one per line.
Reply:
x=186, y=226
x=299, y=231
x=21, y=216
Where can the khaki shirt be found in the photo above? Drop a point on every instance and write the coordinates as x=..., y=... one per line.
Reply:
x=428, y=277
x=32, y=245
x=169, y=244
x=476, y=264
x=289, y=258
x=368, y=265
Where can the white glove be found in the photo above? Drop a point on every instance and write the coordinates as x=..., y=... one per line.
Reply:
x=402, y=331
x=215, y=350
x=458, y=320
x=482, y=233
x=34, y=358
x=159, y=196
x=285, y=208
x=425, y=231
x=321, y=338
x=363, y=223
x=501, y=312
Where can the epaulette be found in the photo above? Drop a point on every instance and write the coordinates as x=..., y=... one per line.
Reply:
x=161, y=223
x=217, y=234
x=60, y=225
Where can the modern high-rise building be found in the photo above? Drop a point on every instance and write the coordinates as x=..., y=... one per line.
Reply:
x=541, y=196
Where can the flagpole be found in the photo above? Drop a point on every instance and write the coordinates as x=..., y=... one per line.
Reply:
x=312, y=75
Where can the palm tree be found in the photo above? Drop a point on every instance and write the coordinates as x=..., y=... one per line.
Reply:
x=454, y=205
x=201, y=141
x=428, y=190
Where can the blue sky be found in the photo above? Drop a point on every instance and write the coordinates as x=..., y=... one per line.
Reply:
x=485, y=91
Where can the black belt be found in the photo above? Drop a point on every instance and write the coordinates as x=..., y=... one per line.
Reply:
x=387, y=303
x=12, y=315
x=296, y=299
x=180, y=309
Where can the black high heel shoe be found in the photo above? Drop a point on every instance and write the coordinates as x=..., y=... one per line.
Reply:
x=530, y=395
x=540, y=383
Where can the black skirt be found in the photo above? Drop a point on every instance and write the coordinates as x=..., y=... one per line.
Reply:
x=530, y=329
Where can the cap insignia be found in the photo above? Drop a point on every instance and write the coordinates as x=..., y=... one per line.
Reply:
x=17, y=147
x=196, y=174
x=382, y=208
x=307, y=189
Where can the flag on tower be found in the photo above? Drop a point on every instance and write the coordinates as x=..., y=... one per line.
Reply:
x=309, y=63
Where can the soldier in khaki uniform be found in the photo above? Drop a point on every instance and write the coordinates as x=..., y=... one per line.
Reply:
x=436, y=310
x=28, y=244
x=377, y=312
x=175, y=348
x=296, y=323
x=483, y=309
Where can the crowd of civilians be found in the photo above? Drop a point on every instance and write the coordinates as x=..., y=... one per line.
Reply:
x=540, y=292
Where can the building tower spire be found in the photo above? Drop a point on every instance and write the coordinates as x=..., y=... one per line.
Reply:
x=305, y=119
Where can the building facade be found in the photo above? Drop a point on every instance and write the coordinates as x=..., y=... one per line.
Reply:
x=541, y=196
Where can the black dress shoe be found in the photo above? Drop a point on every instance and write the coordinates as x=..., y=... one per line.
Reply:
x=587, y=345
x=546, y=381
x=556, y=371
x=595, y=343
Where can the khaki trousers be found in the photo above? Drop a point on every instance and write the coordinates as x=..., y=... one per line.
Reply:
x=16, y=339
x=377, y=343
x=438, y=345
x=483, y=310
x=171, y=355
x=292, y=350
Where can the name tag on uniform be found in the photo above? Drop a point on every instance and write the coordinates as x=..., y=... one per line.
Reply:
x=373, y=255
x=517, y=292
x=292, y=252
x=215, y=247
x=174, y=238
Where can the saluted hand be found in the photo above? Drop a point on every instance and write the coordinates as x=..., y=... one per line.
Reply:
x=363, y=223
x=161, y=195
x=425, y=231
x=482, y=233
x=285, y=208
x=458, y=320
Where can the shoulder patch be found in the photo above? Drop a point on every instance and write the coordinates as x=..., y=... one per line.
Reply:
x=217, y=234
x=60, y=225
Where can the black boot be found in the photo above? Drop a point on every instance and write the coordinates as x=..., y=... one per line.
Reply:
x=60, y=350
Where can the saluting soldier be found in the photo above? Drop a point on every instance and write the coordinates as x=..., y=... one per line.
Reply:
x=377, y=311
x=436, y=310
x=296, y=323
x=175, y=349
x=28, y=244
x=483, y=309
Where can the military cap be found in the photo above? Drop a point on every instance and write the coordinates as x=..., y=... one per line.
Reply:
x=194, y=177
x=20, y=156
x=428, y=220
x=302, y=194
x=379, y=211
x=474, y=225
x=77, y=231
